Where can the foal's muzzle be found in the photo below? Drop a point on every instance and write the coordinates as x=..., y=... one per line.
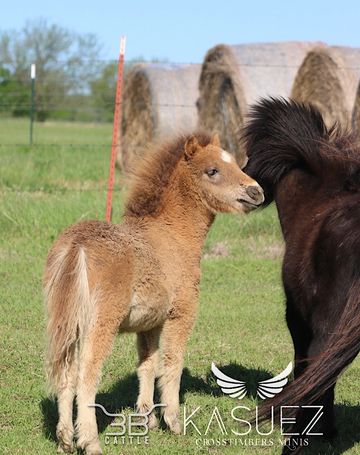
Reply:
x=256, y=194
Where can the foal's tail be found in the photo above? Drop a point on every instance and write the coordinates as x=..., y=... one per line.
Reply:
x=69, y=310
x=342, y=347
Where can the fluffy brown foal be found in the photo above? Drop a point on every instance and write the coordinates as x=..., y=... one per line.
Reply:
x=141, y=276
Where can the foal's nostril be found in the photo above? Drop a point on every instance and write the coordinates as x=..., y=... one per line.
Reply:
x=254, y=192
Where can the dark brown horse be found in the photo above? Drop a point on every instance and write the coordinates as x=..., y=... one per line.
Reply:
x=313, y=174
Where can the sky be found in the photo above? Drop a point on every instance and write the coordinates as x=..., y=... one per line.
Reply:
x=182, y=31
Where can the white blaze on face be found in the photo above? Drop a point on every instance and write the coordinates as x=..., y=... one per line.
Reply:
x=225, y=156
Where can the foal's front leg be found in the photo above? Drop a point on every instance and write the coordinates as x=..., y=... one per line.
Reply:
x=174, y=337
x=148, y=350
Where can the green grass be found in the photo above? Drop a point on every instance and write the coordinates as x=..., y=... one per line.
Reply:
x=16, y=131
x=240, y=323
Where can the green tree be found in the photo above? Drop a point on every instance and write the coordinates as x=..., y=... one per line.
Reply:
x=103, y=91
x=62, y=60
x=14, y=95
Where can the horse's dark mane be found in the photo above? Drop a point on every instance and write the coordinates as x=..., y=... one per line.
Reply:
x=283, y=135
x=152, y=175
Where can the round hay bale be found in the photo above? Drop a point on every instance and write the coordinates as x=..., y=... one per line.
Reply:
x=233, y=77
x=356, y=112
x=328, y=79
x=159, y=100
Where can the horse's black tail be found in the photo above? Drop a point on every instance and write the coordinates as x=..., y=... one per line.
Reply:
x=322, y=372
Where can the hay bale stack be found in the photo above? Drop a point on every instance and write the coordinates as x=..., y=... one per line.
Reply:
x=233, y=77
x=328, y=79
x=159, y=101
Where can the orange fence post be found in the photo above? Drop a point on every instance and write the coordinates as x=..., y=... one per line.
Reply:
x=116, y=126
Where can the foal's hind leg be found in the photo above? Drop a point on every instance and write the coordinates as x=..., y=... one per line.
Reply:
x=65, y=399
x=174, y=337
x=96, y=347
x=148, y=349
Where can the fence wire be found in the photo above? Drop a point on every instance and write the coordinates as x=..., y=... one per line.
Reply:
x=71, y=97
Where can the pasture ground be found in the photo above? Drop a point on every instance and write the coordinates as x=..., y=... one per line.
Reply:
x=240, y=322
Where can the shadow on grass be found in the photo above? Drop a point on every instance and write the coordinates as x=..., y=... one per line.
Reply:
x=348, y=426
x=49, y=411
x=250, y=376
x=124, y=394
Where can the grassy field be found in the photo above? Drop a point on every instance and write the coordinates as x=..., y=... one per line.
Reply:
x=240, y=322
x=16, y=131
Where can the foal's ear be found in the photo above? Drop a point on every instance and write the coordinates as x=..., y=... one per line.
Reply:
x=216, y=140
x=191, y=146
x=243, y=161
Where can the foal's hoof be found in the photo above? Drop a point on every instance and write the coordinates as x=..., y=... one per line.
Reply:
x=173, y=423
x=153, y=421
x=93, y=449
x=65, y=448
x=65, y=438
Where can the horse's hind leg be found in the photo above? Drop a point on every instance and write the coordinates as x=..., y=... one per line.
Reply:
x=65, y=399
x=96, y=347
x=148, y=349
x=301, y=335
x=313, y=347
x=329, y=424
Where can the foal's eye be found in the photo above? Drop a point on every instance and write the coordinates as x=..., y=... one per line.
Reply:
x=211, y=172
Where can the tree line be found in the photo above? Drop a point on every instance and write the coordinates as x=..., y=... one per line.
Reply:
x=72, y=82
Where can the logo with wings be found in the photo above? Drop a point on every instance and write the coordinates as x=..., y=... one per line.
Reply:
x=265, y=389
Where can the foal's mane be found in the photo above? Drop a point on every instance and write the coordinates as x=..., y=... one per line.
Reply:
x=282, y=135
x=150, y=176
